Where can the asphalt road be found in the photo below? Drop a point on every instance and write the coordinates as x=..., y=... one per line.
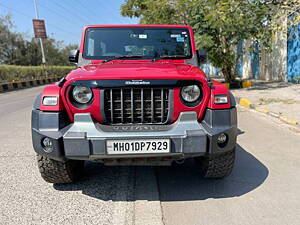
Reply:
x=264, y=187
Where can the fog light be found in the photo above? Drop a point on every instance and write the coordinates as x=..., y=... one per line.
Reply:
x=47, y=145
x=222, y=138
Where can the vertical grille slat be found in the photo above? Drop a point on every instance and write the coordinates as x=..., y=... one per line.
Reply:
x=152, y=105
x=132, y=105
x=122, y=107
x=162, y=105
x=136, y=105
x=111, y=107
x=142, y=105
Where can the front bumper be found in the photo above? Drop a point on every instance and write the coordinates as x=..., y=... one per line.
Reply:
x=86, y=140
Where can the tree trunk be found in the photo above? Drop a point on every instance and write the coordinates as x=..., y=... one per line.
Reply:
x=228, y=74
x=227, y=65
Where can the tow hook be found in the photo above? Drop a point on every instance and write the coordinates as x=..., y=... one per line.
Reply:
x=180, y=161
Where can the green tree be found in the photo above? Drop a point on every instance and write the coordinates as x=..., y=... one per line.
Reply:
x=56, y=52
x=11, y=43
x=17, y=49
x=218, y=25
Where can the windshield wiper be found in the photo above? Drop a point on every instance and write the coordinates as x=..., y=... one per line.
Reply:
x=169, y=57
x=123, y=57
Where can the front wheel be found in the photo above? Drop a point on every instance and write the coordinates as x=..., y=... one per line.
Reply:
x=59, y=172
x=218, y=166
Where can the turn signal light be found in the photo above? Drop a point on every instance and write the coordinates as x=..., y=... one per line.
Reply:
x=220, y=99
x=50, y=100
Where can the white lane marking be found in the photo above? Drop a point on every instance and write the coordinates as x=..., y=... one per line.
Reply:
x=147, y=205
x=123, y=206
x=139, y=204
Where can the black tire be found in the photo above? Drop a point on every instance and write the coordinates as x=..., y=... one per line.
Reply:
x=218, y=166
x=59, y=172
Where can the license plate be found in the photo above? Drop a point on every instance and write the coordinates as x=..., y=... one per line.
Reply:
x=138, y=146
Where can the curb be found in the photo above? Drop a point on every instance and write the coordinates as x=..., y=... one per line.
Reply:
x=26, y=84
x=248, y=104
x=245, y=102
x=239, y=84
x=289, y=120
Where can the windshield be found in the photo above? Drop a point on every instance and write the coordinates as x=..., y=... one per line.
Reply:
x=103, y=43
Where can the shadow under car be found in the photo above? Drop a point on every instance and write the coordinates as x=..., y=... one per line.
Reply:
x=175, y=183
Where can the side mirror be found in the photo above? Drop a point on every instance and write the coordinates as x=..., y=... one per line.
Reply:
x=202, y=56
x=73, y=56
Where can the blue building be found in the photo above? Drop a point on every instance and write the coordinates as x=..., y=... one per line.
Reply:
x=282, y=64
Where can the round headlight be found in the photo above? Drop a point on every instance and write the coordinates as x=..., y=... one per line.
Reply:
x=82, y=94
x=190, y=93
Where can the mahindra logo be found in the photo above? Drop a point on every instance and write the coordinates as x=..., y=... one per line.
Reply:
x=136, y=82
x=135, y=128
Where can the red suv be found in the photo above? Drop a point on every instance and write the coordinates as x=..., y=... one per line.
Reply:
x=137, y=97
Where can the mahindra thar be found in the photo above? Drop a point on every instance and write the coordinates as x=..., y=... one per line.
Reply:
x=137, y=97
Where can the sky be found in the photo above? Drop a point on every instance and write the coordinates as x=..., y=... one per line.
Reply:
x=64, y=19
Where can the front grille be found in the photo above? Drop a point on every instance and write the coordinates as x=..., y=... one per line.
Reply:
x=136, y=105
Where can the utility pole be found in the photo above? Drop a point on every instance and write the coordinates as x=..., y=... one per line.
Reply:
x=40, y=39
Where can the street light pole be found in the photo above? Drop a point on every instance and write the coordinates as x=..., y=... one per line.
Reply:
x=40, y=39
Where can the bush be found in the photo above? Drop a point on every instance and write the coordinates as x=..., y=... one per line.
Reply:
x=10, y=73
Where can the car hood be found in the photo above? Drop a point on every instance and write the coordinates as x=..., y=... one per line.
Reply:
x=146, y=70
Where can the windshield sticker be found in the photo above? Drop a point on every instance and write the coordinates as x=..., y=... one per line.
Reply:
x=184, y=32
x=128, y=48
x=175, y=35
x=180, y=39
x=143, y=36
x=133, y=35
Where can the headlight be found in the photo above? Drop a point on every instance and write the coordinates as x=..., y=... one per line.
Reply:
x=82, y=94
x=190, y=93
